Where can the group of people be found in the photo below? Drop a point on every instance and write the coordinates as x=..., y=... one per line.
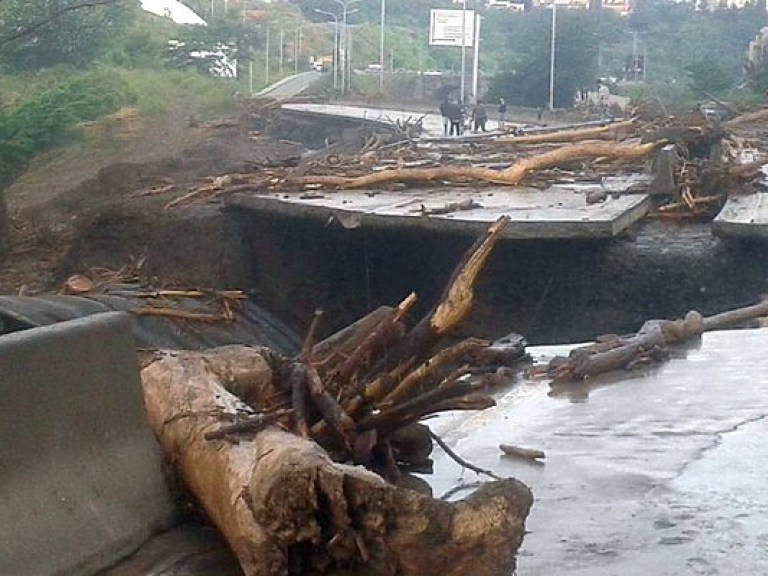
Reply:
x=455, y=116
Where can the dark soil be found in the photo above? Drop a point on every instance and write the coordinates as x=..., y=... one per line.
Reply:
x=84, y=207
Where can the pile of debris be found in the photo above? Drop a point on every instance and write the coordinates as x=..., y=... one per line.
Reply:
x=265, y=442
x=695, y=162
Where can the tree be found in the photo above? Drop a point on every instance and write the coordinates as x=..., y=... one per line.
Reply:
x=216, y=48
x=36, y=34
x=708, y=77
x=526, y=80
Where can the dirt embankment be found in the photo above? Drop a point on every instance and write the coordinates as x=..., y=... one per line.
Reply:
x=99, y=203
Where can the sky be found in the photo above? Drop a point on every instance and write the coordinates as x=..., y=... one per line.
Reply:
x=172, y=9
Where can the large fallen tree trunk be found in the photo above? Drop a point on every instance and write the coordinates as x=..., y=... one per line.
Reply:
x=281, y=501
x=609, y=131
x=511, y=176
x=286, y=508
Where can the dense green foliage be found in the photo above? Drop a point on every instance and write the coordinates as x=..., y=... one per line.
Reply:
x=37, y=121
x=689, y=54
x=38, y=33
x=66, y=68
x=525, y=76
x=70, y=61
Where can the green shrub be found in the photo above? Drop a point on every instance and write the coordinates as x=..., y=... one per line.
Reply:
x=31, y=123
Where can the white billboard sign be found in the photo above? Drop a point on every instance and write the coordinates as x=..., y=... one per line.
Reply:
x=445, y=27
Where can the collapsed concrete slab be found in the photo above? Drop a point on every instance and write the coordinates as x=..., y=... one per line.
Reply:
x=81, y=482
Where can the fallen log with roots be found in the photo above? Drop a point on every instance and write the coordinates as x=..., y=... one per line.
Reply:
x=267, y=445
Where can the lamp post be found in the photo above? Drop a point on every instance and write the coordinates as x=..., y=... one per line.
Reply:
x=552, y=57
x=266, y=59
x=476, y=58
x=344, y=42
x=463, y=49
x=335, y=46
x=296, y=48
x=381, y=46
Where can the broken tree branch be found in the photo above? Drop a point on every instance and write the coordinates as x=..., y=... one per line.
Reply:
x=511, y=176
x=454, y=304
x=617, y=353
x=459, y=460
x=608, y=131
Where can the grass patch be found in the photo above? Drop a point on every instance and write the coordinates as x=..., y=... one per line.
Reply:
x=39, y=112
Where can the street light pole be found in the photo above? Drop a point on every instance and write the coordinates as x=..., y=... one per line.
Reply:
x=381, y=46
x=552, y=58
x=296, y=50
x=266, y=59
x=476, y=59
x=344, y=42
x=463, y=49
x=335, y=47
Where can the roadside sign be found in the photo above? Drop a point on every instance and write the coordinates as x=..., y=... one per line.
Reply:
x=445, y=27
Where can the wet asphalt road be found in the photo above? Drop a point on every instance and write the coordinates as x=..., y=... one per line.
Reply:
x=290, y=86
x=661, y=473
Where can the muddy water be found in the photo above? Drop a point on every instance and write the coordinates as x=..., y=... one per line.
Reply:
x=659, y=474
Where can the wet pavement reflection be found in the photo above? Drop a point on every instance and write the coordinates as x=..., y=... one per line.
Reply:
x=655, y=473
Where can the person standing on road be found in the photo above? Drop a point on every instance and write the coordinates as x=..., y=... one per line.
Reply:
x=502, y=113
x=603, y=97
x=479, y=117
x=456, y=116
x=444, y=108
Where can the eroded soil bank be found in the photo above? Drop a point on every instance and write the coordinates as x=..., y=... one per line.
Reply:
x=549, y=291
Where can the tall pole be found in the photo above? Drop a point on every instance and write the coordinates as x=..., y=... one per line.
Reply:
x=335, y=47
x=349, y=59
x=280, y=50
x=335, y=55
x=301, y=39
x=296, y=50
x=476, y=58
x=463, y=48
x=381, y=46
x=552, y=58
x=343, y=49
x=266, y=59
x=634, y=55
x=344, y=44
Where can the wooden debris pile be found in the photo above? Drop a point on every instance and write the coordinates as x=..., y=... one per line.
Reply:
x=704, y=160
x=237, y=421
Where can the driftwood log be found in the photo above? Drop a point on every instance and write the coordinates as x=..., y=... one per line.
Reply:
x=286, y=508
x=511, y=176
x=291, y=503
x=613, y=352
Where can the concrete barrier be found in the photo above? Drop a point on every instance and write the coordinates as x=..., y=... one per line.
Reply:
x=81, y=483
